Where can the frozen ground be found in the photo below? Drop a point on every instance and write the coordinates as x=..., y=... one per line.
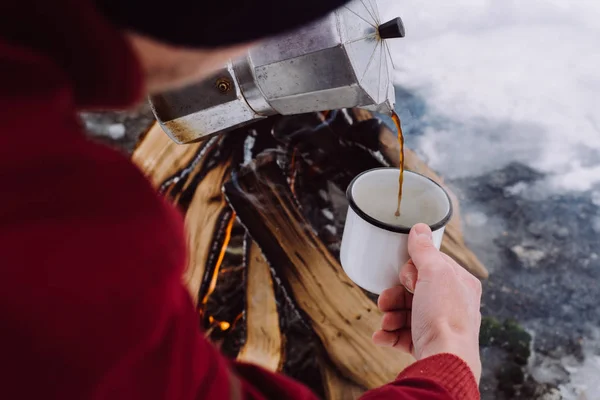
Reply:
x=503, y=98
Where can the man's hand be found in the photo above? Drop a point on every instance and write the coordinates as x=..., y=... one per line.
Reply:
x=442, y=316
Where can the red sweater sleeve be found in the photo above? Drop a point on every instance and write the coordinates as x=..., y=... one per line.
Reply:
x=443, y=376
x=91, y=298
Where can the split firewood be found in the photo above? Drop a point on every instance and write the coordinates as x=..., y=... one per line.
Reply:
x=159, y=157
x=336, y=386
x=205, y=218
x=264, y=342
x=167, y=164
x=342, y=316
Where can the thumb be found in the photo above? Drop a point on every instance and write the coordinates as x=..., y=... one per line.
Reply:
x=421, y=249
x=409, y=276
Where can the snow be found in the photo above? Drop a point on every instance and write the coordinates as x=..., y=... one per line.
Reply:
x=523, y=74
x=580, y=378
x=114, y=131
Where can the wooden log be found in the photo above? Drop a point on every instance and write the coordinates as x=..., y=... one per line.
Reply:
x=163, y=162
x=204, y=219
x=341, y=314
x=159, y=157
x=336, y=386
x=264, y=342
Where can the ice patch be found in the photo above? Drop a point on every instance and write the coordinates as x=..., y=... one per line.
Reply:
x=576, y=379
x=584, y=382
x=516, y=189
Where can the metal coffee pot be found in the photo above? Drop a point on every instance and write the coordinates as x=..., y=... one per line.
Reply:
x=340, y=61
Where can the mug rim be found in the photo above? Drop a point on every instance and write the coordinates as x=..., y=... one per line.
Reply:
x=389, y=227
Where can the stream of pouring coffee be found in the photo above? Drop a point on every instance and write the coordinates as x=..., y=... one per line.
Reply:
x=396, y=120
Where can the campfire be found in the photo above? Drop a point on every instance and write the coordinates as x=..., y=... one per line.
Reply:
x=264, y=211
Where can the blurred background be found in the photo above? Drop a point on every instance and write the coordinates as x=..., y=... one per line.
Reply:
x=502, y=98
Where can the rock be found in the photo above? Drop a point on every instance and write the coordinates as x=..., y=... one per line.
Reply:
x=562, y=233
x=529, y=257
x=536, y=228
x=596, y=224
x=514, y=178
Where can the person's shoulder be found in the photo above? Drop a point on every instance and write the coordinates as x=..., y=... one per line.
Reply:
x=85, y=212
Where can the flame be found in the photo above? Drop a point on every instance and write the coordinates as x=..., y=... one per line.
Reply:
x=293, y=172
x=215, y=275
x=231, y=269
x=237, y=318
x=223, y=325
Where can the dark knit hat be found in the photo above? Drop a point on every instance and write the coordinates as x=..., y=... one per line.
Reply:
x=213, y=23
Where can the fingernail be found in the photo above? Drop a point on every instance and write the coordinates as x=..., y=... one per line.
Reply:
x=408, y=282
x=409, y=285
x=422, y=230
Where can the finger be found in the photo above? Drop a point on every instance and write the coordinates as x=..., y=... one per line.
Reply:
x=408, y=276
x=400, y=340
x=392, y=299
x=408, y=300
x=394, y=320
x=421, y=249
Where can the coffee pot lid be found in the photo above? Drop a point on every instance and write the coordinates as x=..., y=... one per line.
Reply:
x=363, y=36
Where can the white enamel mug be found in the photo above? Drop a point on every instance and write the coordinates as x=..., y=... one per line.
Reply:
x=375, y=241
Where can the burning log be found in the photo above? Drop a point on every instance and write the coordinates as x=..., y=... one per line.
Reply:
x=206, y=216
x=281, y=299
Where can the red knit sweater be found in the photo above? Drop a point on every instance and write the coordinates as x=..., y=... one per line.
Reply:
x=91, y=300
